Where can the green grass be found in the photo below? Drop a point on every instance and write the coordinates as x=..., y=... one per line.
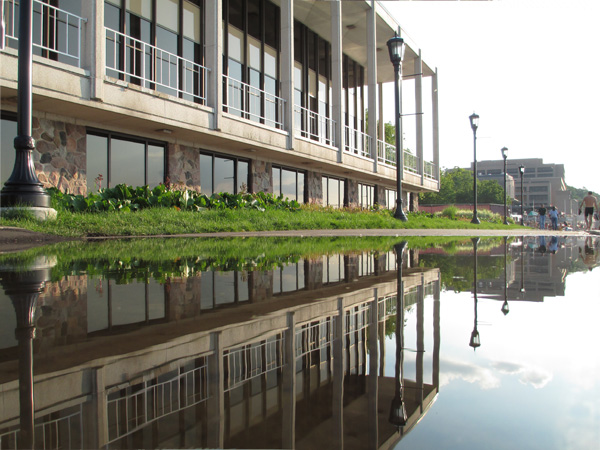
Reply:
x=169, y=221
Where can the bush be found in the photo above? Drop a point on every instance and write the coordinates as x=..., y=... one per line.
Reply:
x=450, y=212
x=127, y=198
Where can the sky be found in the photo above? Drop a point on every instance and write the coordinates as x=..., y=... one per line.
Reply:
x=529, y=68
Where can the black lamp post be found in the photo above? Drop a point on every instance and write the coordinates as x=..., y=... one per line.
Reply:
x=23, y=186
x=398, y=416
x=504, y=156
x=521, y=172
x=505, y=304
x=475, y=341
x=474, y=118
x=396, y=48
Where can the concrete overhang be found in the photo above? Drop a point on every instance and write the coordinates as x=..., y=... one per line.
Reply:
x=316, y=14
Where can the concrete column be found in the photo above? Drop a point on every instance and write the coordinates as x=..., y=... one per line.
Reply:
x=287, y=67
x=101, y=412
x=216, y=394
x=372, y=80
x=336, y=75
x=436, y=127
x=419, y=113
x=214, y=59
x=420, y=340
x=372, y=386
x=436, y=335
x=380, y=125
x=339, y=364
x=288, y=428
x=93, y=48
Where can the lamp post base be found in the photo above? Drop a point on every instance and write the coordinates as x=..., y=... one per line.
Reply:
x=475, y=220
x=399, y=214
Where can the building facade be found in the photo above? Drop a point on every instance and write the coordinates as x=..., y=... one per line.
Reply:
x=543, y=183
x=220, y=96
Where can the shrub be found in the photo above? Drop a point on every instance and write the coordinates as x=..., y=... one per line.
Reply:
x=450, y=212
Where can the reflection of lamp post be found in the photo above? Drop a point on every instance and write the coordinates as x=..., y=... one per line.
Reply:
x=396, y=49
x=475, y=341
x=521, y=171
x=505, y=304
x=23, y=186
x=522, y=265
x=474, y=118
x=504, y=156
x=23, y=288
x=398, y=416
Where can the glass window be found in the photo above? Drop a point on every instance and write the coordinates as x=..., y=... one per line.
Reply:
x=254, y=19
x=142, y=8
x=156, y=165
x=242, y=176
x=224, y=288
x=191, y=22
x=206, y=291
x=127, y=163
x=97, y=304
x=223, y=175
x=8, y=132
x=128, y=303
x=155, y=300
x=288, y=184
x=334, y=192
x=206, y=179
x=235, y=44
x=270, y=61
x=276, y=181
x=167, y=14
x=96, y=162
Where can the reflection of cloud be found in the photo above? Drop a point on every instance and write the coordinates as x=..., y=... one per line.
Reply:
x=536, y=377
x=450, y=370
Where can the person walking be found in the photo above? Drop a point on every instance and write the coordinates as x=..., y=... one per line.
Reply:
x=542, y=213
x=590, y=203
x=554, y=217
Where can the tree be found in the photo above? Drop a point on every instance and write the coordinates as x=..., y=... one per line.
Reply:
x=456, y=186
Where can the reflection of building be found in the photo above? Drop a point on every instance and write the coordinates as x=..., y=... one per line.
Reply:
x=220, y=96
x=286, y=357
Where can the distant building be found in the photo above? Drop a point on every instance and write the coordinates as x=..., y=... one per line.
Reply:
x=543, y=183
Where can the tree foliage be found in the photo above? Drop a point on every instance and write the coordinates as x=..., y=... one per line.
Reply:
x=456, y=186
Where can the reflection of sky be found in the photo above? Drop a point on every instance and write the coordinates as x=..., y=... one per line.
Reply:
x=533, y=383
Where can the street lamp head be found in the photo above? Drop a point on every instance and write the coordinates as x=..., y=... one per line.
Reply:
x=504, y=150
x=521, y=169
x=474, y=118
x=396, y=48
x=505, y=308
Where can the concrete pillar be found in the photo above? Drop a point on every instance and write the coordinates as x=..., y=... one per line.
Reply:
x=101, y=412
x=216, y=394
x=336, y=76
x=372, y=386
x=436, y=128
x=214, y=60
x=93, y=48
x=419, y=114
x=339, y=364
x=288, y=428
x=436, y=335
x=287, y=67
x=372, y=80
x=380, y=125
x=420, y=339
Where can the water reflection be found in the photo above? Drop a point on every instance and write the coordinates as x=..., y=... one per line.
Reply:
x=305, y=351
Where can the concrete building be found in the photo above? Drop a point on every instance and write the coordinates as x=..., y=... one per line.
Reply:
x=220, y=96
x=543, y=183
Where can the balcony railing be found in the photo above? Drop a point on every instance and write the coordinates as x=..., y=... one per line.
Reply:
x=386, y=153
x=411, y=163
x=57, y=33
x=429, y=170
x=357, y=142
x=146, y=65
x=252, y=103
x=314, y=126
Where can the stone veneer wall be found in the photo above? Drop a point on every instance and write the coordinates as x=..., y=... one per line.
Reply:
x=380, y=197
x=260, y=178
x=60, y=155
x=183, y=166
x=314, y=188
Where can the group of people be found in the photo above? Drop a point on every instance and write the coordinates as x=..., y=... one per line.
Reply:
x=587, y=205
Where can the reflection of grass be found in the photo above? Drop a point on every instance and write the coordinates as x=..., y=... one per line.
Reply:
x=157, y=221
x=180, y=256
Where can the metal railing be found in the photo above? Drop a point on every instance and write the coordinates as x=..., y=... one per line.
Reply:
x=411, y=163
x=252, y=103
x=56, y=32
x=250, y=361
x=149, y=66
x=313, y=336
x=429, y=170
x=314, y=126
x=357, y=142
x=386, y=153
x=152, y=400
